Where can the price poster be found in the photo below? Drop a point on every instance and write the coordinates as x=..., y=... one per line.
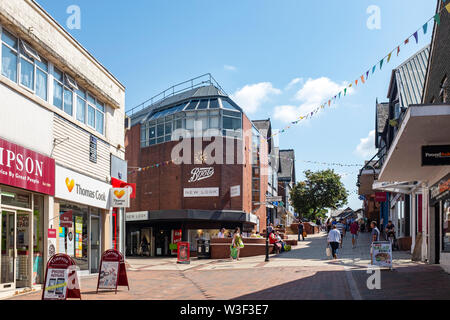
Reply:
x=56, y=284
x=108, y=275
x=78, y=237
x=382, y=254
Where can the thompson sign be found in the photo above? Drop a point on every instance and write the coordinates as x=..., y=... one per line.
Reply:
x=26, y=169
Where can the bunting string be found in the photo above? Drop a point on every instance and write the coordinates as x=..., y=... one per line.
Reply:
x=424, y=29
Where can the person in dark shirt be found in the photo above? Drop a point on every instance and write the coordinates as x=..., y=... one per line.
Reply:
x=300, y=231
x=390, y=229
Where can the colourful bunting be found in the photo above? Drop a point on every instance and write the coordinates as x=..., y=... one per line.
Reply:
x=398, y=50
x=416, y=36
x=425, y=28
x=389, y=57
x=362, y=79
x=356, y=82
x=345, y=92
x=406, y=41
x=373, y=69
x=437, y=18
x=381, y=64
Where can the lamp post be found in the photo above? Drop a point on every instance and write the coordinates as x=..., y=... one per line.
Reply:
x=267, y=236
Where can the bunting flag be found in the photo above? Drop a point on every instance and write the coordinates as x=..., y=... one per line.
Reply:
x=416, y=36
x=437, y=18
x=389, y=57
x=424, y=28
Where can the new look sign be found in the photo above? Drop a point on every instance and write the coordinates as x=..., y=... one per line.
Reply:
x=75, y=187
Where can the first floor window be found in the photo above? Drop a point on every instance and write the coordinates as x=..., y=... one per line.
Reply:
x=68, y=104
x=9, y=63
x=91, y=116
x=99, y=121
x=27, y=74
x=58, y=95
x=41, y=84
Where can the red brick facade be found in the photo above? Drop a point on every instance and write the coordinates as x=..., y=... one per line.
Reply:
x=162, y=188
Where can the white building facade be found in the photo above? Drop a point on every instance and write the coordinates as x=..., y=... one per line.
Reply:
x=62, y=122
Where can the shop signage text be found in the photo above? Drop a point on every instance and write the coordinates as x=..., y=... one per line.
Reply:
x=235, y=191
x=26, y=169
x=441, y=189
x=136, y=216
x=72, y=186
x=201, y=174
x=380, y=197
x=120, y=197
x=436, y=155
x=201, y=192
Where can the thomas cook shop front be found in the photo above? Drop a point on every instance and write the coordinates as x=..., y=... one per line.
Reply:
x=26, y=187
x=81, y=218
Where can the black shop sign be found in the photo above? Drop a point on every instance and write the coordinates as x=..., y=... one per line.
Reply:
x=436, y=155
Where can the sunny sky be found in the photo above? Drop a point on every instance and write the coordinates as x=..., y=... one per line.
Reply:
x=278, y=60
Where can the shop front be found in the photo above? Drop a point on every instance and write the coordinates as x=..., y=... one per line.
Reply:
x=156, y=233
x=440, y=200
x=80, y=218
x=26, y=182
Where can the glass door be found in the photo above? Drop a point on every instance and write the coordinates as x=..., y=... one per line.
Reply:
x=95, y=244
x=8, y=249
x=23, y=249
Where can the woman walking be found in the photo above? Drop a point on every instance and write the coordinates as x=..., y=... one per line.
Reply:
x=237, y=243
x=334, y=239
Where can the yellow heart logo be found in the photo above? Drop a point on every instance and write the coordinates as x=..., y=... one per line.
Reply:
x=70, y=184
x=119, y=194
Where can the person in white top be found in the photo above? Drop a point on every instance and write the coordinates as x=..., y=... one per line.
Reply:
x=334, y=239
x=221, y=234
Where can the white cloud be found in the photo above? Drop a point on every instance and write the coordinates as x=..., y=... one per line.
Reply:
x=293, y=83
x=366, y=147
x=229, y=68
x=312, y=94
x=252, y=96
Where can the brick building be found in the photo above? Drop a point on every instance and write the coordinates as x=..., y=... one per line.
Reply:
x=187, y=188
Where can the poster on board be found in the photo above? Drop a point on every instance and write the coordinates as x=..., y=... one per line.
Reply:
x=108, y=275
x=382, y=254
x=61, y=279
x=112, y=271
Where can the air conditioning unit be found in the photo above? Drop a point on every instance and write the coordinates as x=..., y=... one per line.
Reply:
x=127, y=123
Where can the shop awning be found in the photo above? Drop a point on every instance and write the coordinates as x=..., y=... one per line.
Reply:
x=202, y=215
x=423, y=125
x=395, y=187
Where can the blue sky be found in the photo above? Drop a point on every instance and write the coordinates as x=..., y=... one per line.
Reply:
x=254, y=49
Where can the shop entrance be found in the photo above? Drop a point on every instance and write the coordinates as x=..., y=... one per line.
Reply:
x=162, y=241
x=15, y=230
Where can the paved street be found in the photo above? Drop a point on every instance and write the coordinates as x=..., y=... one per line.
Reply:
x=302, y=274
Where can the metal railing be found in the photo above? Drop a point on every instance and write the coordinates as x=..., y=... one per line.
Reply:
x=372, y=164
x=200, y=81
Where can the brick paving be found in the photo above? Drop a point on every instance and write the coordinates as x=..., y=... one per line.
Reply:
x=302, y=274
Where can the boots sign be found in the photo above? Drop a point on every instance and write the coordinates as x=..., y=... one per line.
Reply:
x=26, y=169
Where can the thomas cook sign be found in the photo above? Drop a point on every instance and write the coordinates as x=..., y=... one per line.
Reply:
x=120, y=197
x=79, y=188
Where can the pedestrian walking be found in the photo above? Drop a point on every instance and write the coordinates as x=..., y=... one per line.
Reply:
x=300, y=231
x=354, y=230
x=375, y=236
x=334, y=239
x=341, y=228
x=236, y=244
x=221, y=234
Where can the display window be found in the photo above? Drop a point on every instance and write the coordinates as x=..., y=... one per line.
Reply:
x=201, y=234
x=446, y=226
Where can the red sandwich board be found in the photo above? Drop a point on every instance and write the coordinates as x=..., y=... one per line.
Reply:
x=184, y=254
x=113, y=272
x=61, y=280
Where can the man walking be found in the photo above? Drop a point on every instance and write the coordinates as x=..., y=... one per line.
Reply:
x=354, y=230
x=334, y=238
x=375, y=236
x=300, y=231
x=341, y=228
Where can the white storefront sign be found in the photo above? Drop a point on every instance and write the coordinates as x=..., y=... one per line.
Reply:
x=198, y=174
x=120, y=197
x=201, y=192
x=235, y=191
x=75, y=187
x=136, y=216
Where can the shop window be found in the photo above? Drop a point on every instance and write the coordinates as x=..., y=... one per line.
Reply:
x=446, y=226
x=38, y=240
x=16, y=199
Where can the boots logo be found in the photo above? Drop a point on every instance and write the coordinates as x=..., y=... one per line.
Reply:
x=119, y=194
x=201, y=174
x=70, y=184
